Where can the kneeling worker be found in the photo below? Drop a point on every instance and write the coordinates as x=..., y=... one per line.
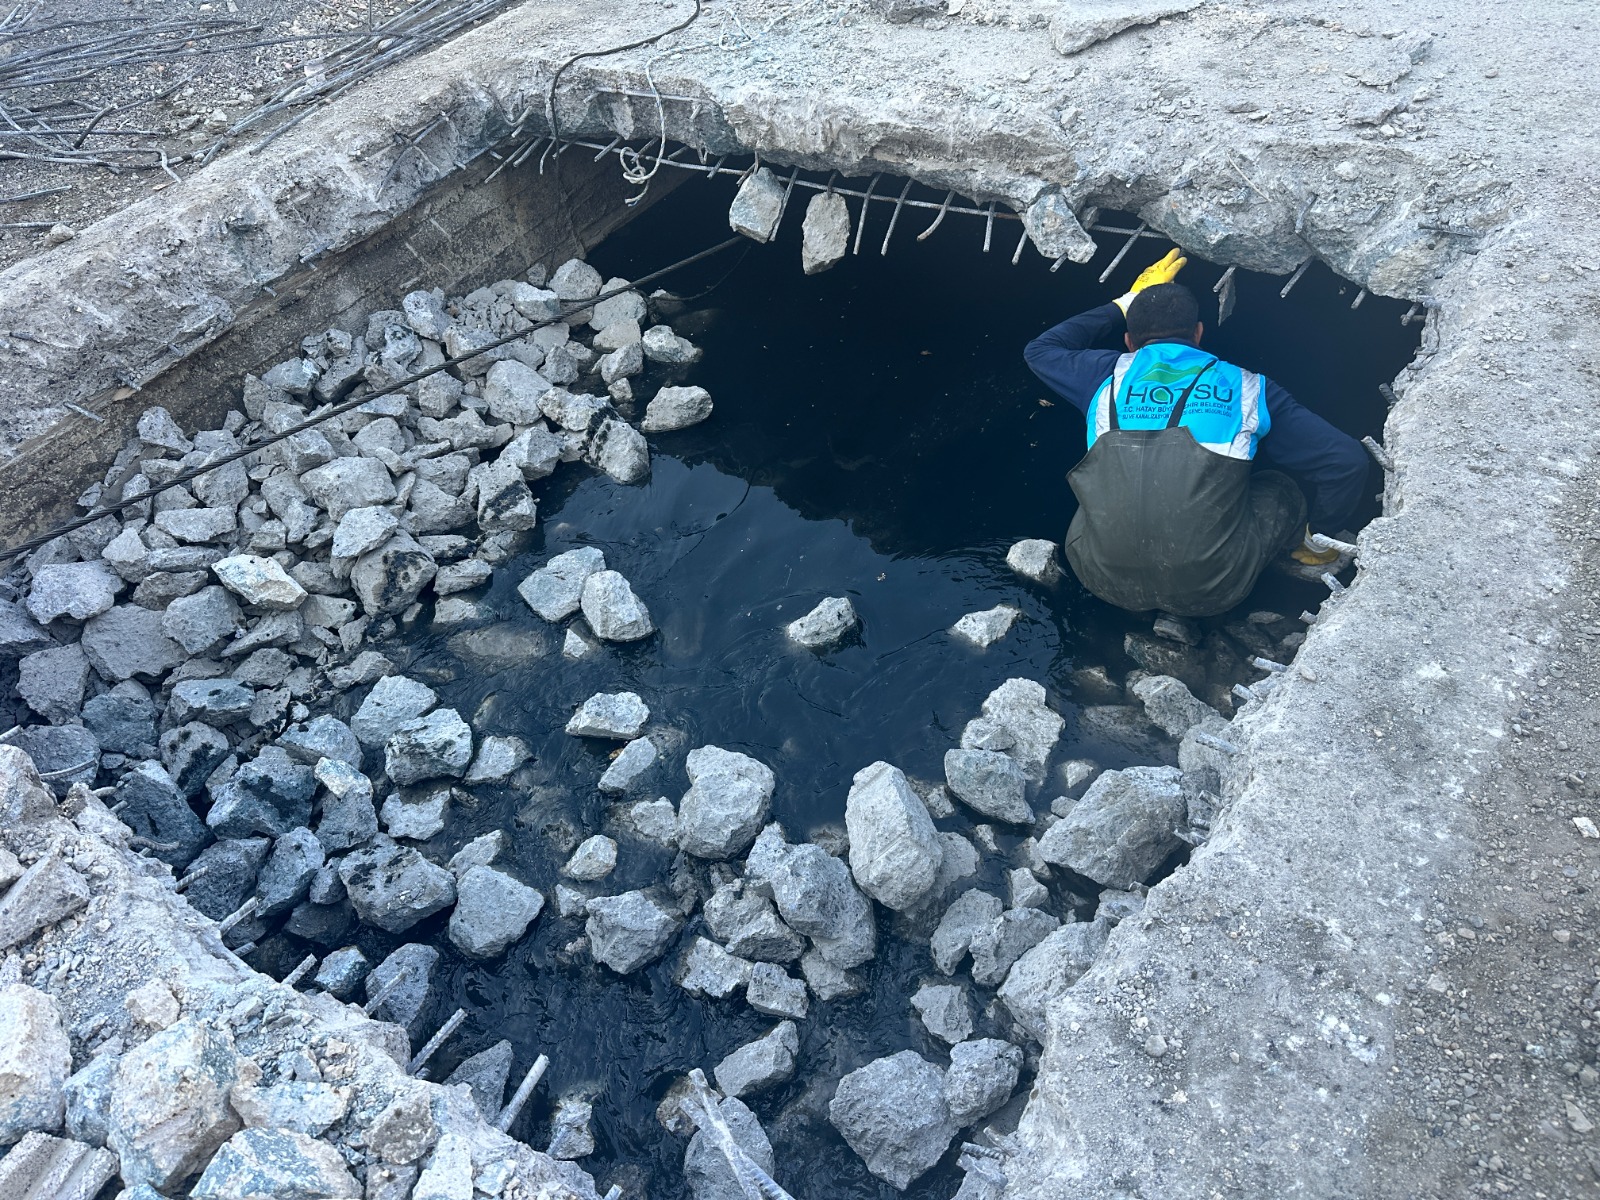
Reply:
x=1172, y=514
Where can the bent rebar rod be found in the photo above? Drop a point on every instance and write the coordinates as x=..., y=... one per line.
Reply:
x=755, y=1183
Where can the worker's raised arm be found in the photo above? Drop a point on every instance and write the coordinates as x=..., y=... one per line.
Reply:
x=1330, y=466
x=1073, y=358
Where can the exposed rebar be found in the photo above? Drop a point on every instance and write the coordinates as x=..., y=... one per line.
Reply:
x=508, y=1114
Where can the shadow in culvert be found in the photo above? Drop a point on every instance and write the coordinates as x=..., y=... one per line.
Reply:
x=876, y=435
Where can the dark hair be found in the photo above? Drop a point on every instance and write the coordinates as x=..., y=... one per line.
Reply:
x=1167, y=312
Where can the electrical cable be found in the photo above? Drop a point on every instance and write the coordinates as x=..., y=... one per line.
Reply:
x=350, y=405
x=550, y=96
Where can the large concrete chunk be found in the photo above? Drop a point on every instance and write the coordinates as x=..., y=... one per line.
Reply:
x=1043, y=975
x=1123, y=829
x=555, y=590
x=825, y=232
x=973, y=911
x=347, y=483
x=1054, y=230
x=895, y=851
x=35, y=1060
x=612, y=609
x=393, y=887
x=278, y=1163
x=438, y=745
x=48, y=891
x=492, y=911
x=981, y=1078
x=758, y=206
x=989, y=782
x=390, y=578
x=128, y=640
x=154, y=808
x=726, y=804
x=76, y=590
x=52, y=682
x=260, y=582
x=169, y=1104
x=1171, y=705
x=1005, y=939
x=705, y=1167
x=619, y=715
x=628, y=931
x=393, y=701
x=760, y=1064
x=1079, y=24
x=893, y=1113
x=825, y=625
x=1017, y=709
x=676, y=408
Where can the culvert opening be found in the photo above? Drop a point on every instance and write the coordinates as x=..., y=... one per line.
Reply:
x=875, y=436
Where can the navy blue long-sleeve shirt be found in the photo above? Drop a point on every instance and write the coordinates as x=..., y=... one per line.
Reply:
x=1072, y=361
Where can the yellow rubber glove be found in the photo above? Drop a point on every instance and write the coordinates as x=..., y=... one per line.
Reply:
x=1310, y=555
x=1164, y=271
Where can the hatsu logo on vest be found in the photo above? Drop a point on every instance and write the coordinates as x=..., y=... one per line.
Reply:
x=1162, y=396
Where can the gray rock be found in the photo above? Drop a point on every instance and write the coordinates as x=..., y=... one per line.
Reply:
x=154, y=808
x=895, y=851
x=595, y=858
x=486, y=1073
x=1171, y=705
x=746, y=922
x=403, y=1004
x=438, y=745
x=1006, y=939
x=773, y=991
x=88, y=1096
x=534, y=303
x=1026, y=890
x=623, y=362
x=363, y=529
x=575, y=280
x=612, y=610
x=197, y=524
x=761, y=1064
x=78, y=590
x=321, y=737
x=424, y=312
x=127, y=641
x=708, y=970
x=279, y=1163
x=705, y=1167
x=1018, y=707
x=157, y=428
x=624, y=306
x=19, y=633
x=1122, y=829
x=497, y=759
x=676, y=408
x=230, y=869
x=52, y=682
x=1080, y=26
x=1034, y=558
x=825, y=625
x=813, y=891
x=505, y=505
x=295, y=376
x=169, y=1104
x=620, y=715
x=390, y=578
x=575, y=412
x=481, y=851
x=620, y=450
x=418, y=814
x=122, y=721
x=535, y=452
x=989, y=782
x=570, y=1136
x=825, y=232
x=661, y=345
x=973, y=910
x=982, y=1075
x=628, y=931
x=203, y=621
x=270, y=794
x=49, y=891
x=190, y=753
x=893, y=1114
x=1042, y=975
x=492, y=911
x=462, y=576
x=984, y=629
x=214, y=701
x=1054, y=229
x=944, y=1011
x=393, y=701
x=653, y=820
x=393, y=887
x=341, y=973
x=405, y=1130
x=570, y=902
x=827, y=981
x=285, y=877
x=555, y=590
x=726, y=804
x=347, y=483
x=68, y=754
x=757, y=206
x=259, y=582
x=512, y=390
x=299, y=1106
x=637, y=757
x=35, y=1061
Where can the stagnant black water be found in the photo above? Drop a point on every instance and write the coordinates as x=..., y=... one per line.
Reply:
x=876, y=435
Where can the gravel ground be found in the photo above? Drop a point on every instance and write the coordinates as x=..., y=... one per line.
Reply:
x=181, y=105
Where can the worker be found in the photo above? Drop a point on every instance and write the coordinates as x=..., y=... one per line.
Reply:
x=1173, y=513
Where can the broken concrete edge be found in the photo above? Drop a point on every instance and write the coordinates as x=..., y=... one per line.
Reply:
x=171, y=280
x=136, y=928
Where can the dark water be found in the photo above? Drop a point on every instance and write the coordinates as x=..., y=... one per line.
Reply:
x=876, y=435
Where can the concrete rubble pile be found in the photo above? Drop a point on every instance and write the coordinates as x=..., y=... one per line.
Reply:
x=180, y=662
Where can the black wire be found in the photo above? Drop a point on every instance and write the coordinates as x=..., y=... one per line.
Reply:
x=550, y=97
x=195, y=472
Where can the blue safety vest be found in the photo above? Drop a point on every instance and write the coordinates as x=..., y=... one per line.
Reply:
x=1224, y=413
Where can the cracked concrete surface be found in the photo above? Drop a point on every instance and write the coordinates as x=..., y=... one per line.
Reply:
x=1393, y=792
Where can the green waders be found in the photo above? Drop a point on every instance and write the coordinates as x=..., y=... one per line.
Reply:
x=1164, y=523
